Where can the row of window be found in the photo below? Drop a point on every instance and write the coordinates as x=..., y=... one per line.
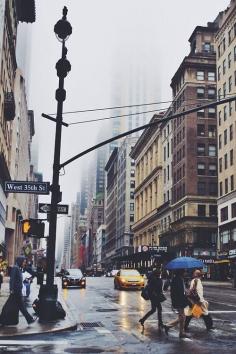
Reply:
x=225, y=112
x=224, y=214
x=226, y=135
x=222, y=45
x=231, y=160
x=179, y=136
x=202, y=210
x=201, y=150
x=202, y=75
x=228, y=185
x=201, y=92
x=179, y=174
x=211, y=113
x=201, y=169
x=179, y=155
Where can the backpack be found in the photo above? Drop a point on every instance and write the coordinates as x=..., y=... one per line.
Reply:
x=145, y=293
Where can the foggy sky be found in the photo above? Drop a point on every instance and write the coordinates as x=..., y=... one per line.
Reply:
x=110, y=40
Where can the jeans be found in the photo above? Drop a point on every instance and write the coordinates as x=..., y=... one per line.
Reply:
x=155, y=306
x=22, y=308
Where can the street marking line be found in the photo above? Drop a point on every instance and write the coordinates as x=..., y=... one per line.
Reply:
x=32, y=342
x=102, y=330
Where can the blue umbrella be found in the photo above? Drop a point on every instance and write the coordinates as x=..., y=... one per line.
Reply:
x=184, y=263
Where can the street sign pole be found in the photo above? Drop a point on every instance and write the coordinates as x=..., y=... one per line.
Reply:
x=48, y=292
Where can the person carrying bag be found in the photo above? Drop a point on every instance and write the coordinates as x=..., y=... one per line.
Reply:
x=198, y=299
x=153, y=292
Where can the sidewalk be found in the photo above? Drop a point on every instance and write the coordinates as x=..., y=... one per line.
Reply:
x=22, y=329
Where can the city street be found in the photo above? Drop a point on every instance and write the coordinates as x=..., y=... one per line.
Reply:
x=108, y=322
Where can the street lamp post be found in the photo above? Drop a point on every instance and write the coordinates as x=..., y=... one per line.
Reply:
x=48, y=292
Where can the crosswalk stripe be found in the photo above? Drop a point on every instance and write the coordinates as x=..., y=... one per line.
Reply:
x=31, y=342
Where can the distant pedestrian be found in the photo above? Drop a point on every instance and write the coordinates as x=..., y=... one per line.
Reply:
x=156, y=297
x=179, y=302
x=1, y=279
x=16, y=284
x=197, y=284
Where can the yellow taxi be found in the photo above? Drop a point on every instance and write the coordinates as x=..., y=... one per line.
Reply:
x=128, y=279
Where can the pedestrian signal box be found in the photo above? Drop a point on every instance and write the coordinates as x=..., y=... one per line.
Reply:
x=33, y=228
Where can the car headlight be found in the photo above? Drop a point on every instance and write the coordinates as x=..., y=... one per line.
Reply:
x=122, y=280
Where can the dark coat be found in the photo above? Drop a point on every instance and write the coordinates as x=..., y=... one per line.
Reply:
x=154, y=287
x=16, y=279
x=177, y=293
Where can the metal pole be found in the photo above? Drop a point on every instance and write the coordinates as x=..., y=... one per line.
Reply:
x=55, y=197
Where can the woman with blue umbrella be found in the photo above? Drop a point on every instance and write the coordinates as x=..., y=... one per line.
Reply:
x=177, y=290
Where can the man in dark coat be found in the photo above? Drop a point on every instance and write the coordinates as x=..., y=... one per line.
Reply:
x=16, y=284
x=179, y=302
x=155, y=293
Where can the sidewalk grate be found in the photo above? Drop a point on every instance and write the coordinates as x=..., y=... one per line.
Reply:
x=90, y=324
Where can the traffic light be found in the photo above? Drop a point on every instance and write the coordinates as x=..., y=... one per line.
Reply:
x=33, y=228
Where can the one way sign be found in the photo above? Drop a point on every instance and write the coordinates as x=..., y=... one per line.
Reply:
x=61, y=208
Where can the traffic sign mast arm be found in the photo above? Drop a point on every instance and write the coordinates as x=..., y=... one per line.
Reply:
x=152, y=124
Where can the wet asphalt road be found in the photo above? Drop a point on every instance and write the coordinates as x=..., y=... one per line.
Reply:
x=108, y=323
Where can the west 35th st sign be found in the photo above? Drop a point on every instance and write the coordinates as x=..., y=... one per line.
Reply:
x=27, y=187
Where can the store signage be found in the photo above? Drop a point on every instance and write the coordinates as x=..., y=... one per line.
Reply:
x=232, y=253
x=158, y=248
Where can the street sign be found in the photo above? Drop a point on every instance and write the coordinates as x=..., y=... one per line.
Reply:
x=61, y=208
x=27, y=187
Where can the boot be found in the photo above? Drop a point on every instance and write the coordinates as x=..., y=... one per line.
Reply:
x=208, y=322
x=187, y=321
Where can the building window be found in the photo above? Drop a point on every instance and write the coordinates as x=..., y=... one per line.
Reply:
x=213, y=189
x=230, y=108
x=200, y=75
x=132, y=173
x=211, y=93
x=224, y=214
x=224, y=237
x=229, y=60
x=233, y=210
x=201, y=130
x=220, y=141
x=226, y=161
x=212, y=131
x=221, y=189
x=232, y=183
x=200, y=92
x=224, y=66
x=201, y=169
x=235, y=53
x=231, y=157
x=212, y=210
x=132, y=184
x=231, y=132
x=230, y=36
x=226, y=186
x=131, y=218
x=211, y=76
x=224, y=90
x=211, y=112
x=131, y=195
x=220, y=164
x=225, y=136
x=235, y=78
x=212, y=169
x=131, y=207
x=207, y=47
x=132, y=162
x=219, y=69
x=219, y=94
x=201, y=113
x=224, y=44
x=201, y=188
x=225, y=112
x=201, y=210
x=201, y=149
x=219, y=118
x=230, y=83
x=164, y=153
x=212, y=150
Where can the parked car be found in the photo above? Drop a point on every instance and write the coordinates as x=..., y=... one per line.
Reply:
x=73, y=277
x=128, y=278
